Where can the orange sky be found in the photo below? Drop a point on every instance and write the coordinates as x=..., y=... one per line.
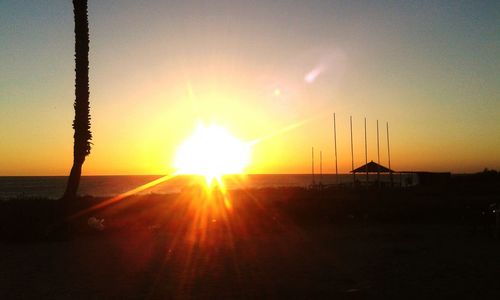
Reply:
x=431, y=71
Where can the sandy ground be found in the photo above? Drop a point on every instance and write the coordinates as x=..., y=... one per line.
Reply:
x=179, y=248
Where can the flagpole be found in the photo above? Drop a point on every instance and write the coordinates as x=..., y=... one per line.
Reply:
x=320, y=167
x=389, y=154
x=312, y=165
x=378, y=157
x=335, y=142
x=352, y=155
x=366, y=156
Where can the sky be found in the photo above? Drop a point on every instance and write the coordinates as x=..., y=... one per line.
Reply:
x=278, y=69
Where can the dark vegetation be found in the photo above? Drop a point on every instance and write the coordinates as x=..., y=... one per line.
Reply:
x=467, y=200
x=273, y=243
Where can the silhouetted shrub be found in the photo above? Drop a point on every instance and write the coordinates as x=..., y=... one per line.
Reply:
x=26, y=219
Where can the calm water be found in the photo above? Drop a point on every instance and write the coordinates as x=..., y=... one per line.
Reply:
x=53, y=186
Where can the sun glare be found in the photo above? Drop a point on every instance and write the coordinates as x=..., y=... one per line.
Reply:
x=212, y=152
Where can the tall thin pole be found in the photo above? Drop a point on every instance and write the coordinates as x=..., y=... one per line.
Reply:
x=378, y=157
x=352, y=155
x=312, y=165
x=389, y=152
x=320, y=167
x=366, y=156
x=388, y=145
x=335, y=142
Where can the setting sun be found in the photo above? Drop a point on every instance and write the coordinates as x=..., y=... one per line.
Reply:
x=212, y=152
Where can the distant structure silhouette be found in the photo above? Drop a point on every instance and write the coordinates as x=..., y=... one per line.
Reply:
x=81, y=123
x=372, y=167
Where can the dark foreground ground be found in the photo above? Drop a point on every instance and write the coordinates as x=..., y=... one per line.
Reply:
x=283, y=243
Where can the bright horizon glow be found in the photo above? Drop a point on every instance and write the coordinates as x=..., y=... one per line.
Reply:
x=212, y=152
x=428, y=68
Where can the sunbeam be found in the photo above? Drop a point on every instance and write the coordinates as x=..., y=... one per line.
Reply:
x=122, y=196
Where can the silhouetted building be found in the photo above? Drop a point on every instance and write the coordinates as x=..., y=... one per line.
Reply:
x=433, y=178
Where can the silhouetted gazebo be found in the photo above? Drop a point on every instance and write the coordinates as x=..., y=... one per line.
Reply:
x=372, y=167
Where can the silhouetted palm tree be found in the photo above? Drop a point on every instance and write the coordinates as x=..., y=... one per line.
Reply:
x=81, y=124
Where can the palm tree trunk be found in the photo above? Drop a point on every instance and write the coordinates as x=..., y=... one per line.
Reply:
x=81, y=123
x=73, y=181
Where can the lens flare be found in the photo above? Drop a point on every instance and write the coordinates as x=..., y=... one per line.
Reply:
x=212, y=152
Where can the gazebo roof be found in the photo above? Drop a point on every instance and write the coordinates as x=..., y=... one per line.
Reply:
x=372, y=167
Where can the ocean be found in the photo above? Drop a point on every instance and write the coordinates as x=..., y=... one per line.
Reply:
x=104, y=186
